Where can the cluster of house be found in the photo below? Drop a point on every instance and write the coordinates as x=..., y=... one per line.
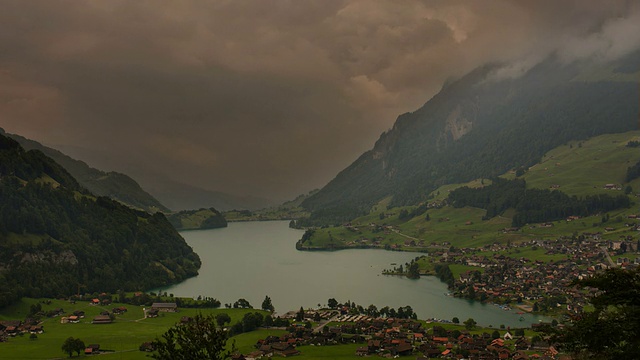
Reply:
x=388, y=337
x=509, y=278
x=105, y=316
x=284, y=346
x=515, y=278
x=12, y=328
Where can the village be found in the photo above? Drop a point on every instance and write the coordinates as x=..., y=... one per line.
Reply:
x=498, y=276
x=534, y=275
x=344, y=324
x=501, y=276
x=395, y=337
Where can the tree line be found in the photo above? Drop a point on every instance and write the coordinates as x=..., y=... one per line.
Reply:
x=533, y=205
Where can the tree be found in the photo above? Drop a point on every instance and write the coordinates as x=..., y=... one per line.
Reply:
x=332, y=303
x=495, y=334
x=413, y=272
x=611, y=330
x=250, y=322
x=78, y=346
x=455, y=320
x=300, y=314
x=72, y=345
x=267, y=305
x=67, y=346
x=243, y=304
x=197, y=339
x=372, y=310
x=470, y=324
x=392, y=312
x=34, y=309
x=223, y=318
x=623, y=247
x=471, y=292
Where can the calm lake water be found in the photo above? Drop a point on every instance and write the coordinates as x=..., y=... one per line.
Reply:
x=253, y=259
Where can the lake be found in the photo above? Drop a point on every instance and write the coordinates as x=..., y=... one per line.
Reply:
x=253, y=259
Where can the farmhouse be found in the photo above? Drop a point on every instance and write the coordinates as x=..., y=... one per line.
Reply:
x=102, y=319
x=166, y=307
x=92, y=349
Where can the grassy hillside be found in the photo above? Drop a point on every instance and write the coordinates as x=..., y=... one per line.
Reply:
x=577, y=168
x=584, y=167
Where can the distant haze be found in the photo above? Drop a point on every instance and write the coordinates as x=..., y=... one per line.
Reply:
x=264, y=98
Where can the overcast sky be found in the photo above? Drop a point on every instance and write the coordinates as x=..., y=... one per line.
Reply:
x=265, y=97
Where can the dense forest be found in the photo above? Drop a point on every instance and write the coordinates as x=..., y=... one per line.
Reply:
x=477, y=128
x=56, y=238
x=533, y=205
x=633, y=172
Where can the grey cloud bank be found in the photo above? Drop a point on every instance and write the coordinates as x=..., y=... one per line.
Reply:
x=269, y=98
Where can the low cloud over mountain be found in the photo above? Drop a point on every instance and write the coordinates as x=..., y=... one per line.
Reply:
x=265, y=98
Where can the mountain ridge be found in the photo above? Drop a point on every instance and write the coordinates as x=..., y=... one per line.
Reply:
x=55, y=235
x=176, y=195
x=114, y=185
x=481, y=126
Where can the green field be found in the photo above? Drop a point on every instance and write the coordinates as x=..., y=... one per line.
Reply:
x=584, y=167
x=123, y=336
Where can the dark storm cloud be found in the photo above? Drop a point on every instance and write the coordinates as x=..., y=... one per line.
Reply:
x=270, y=98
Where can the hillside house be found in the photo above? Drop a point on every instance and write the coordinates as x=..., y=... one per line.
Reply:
x=165, y=307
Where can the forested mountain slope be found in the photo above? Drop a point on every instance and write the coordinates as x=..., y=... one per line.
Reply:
x=481, y=126
x=56, y=238
x=112, y=184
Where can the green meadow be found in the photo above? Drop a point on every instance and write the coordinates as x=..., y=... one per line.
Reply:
x=584, y=167
x=123, y=336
